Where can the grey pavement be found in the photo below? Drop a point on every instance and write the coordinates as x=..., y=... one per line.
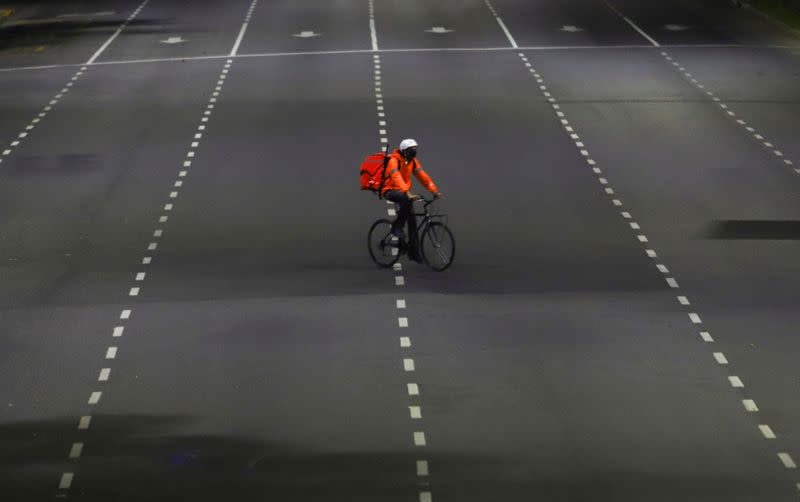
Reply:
x=263, y=356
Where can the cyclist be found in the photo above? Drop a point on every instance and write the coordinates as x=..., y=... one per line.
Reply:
x=402, y=162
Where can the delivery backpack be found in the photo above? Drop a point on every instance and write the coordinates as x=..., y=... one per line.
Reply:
x=373, y=172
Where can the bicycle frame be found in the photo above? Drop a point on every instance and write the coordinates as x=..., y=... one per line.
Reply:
x=426, y=216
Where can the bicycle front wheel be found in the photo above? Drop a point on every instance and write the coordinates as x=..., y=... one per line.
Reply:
x=384, y=248
x=438, y=246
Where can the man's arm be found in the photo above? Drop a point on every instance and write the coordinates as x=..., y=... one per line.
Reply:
x=423, y=178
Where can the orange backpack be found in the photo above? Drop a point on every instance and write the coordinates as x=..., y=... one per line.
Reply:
x=373, y=172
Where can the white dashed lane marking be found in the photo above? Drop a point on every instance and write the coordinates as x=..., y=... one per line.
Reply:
x=750, y=405
x=111, y=352
x=76, y=450
x=766, y=431
x=94, y=397
x=84, y=422
x=694, y=317
x=776, y=152
x=787, y=461
x=66, y=481
x=409, y=366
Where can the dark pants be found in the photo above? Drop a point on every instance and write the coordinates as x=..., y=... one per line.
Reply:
x=405, y=215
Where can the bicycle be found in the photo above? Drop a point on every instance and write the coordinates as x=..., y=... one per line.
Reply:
x=437, y=245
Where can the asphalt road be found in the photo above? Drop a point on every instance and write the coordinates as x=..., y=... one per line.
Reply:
x=188, y=311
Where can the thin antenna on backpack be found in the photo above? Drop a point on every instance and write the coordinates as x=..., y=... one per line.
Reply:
x=383, y=174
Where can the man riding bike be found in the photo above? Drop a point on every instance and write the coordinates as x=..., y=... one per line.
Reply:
x=402, y=162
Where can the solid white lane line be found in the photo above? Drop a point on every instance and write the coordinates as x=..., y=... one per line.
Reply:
x=238, y=41
x=116, y=33
x=559, y=48
x=373, y=34
x=634, y=26
x=502, y=25
x=103, y=47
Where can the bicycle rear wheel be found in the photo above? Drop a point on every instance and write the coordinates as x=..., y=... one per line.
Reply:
x=438, y=246
x=384, y=248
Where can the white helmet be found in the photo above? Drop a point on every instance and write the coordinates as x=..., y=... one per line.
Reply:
x=407, y=143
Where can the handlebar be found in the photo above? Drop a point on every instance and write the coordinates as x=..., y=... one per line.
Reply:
x=427, y=202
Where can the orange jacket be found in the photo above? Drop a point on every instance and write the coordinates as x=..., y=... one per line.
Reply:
x=398, y=174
